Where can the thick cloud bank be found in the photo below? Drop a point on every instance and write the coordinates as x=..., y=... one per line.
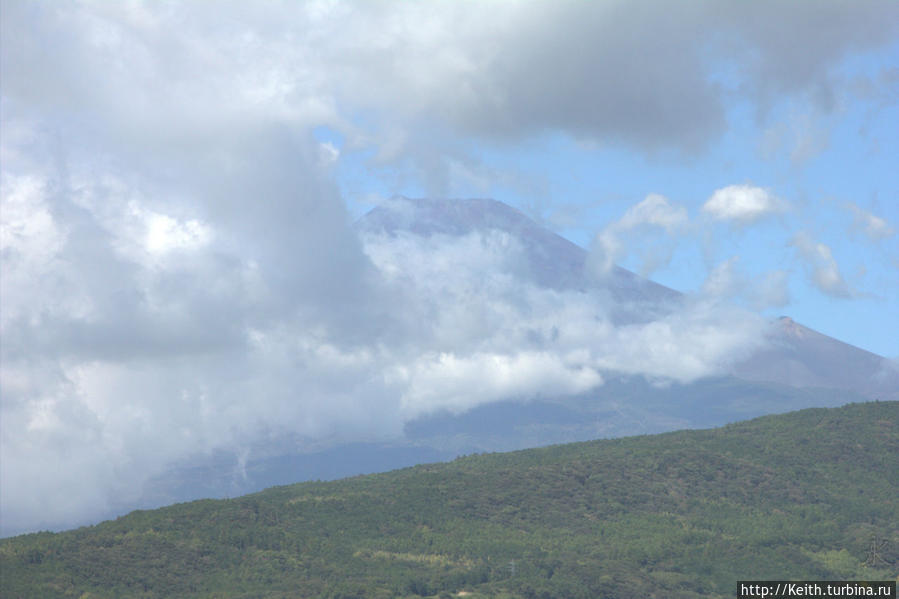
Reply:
x=178, y=271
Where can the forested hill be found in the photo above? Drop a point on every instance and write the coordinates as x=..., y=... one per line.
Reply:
x=807, y=495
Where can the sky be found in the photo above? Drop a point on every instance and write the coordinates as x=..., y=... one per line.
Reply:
x=180, y=273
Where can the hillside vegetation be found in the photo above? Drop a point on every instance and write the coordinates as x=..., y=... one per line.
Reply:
x=807, y=495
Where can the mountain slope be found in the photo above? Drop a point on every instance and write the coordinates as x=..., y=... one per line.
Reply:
x=802, y=357
x=687, y=514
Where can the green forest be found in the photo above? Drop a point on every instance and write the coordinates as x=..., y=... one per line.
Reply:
x=809, y=495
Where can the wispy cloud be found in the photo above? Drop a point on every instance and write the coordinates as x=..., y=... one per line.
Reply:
x=822, y=266
x=873, y=226
x=617, y=239
x=655, y=210
x=771, y=291
x=727, y=281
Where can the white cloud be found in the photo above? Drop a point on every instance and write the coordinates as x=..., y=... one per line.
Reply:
x=727, y=281
x=164, y=233
x=655, y=210
x=495, y=316
x=702, y=340
x=803, y=136
x=458, y=383
x=772, y=291
x=617, y=239
x=28, y=229
x=875, y=227
x=605, y=252
x=723, y=281
x=823, y=269
x=742, y=204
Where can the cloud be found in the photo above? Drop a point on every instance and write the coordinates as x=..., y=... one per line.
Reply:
x=804, y=135
x=723, y=281
x=874, y=227
x=457, y=383
x=823, y=269
x=772, y=291
x=727, y=281
x=718, y=337
x=654, y=211
x=742, y=204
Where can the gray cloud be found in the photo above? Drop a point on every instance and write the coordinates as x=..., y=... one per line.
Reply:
x=797, y=46
x=609, y=72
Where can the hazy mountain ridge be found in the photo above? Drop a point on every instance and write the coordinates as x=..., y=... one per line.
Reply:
x=802, y=357
x=795, y=496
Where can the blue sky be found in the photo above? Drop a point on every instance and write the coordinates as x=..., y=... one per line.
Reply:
x=179, y=274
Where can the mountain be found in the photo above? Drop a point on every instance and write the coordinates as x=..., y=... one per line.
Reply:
x=797, y=368
x=809, y=495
